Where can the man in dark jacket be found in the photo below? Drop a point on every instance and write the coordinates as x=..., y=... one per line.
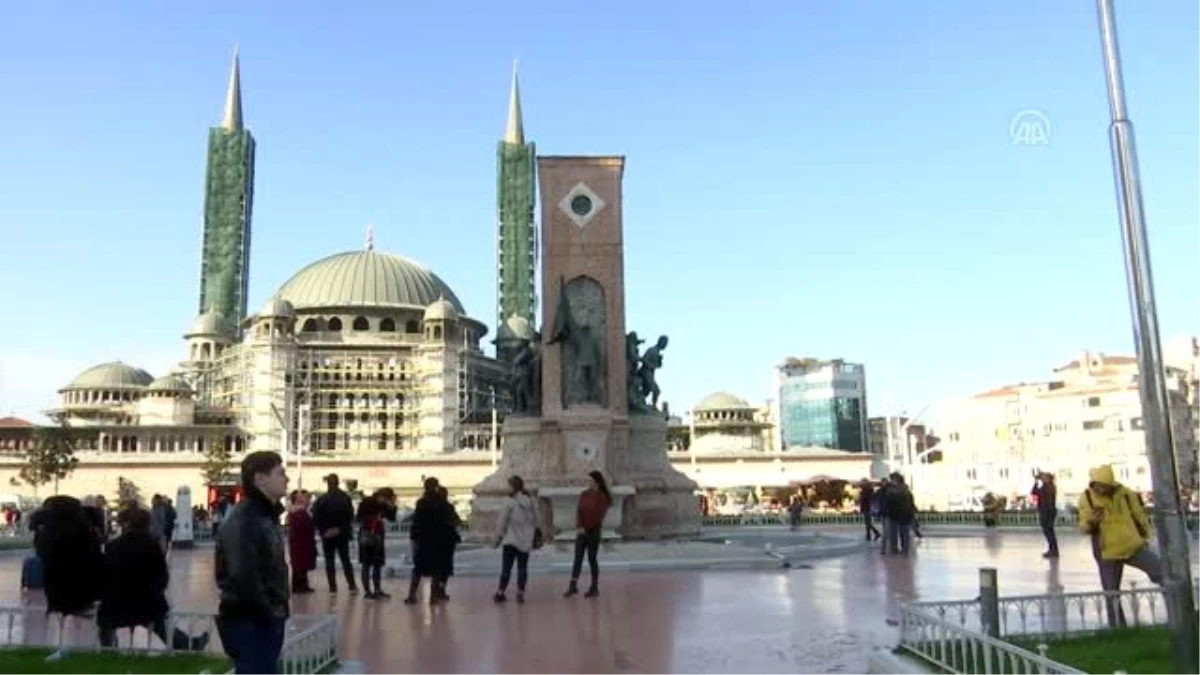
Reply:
x=333, y=516
x=1047, y=507
x=899, y=510
x=865, y=494
x=251, y=569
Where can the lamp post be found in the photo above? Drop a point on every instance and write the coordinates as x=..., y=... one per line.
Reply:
x=1168, y=515
x=495, y=431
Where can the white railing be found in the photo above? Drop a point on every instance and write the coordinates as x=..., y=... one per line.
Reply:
x=961, y=650
x=952, y=634
x=310, y=643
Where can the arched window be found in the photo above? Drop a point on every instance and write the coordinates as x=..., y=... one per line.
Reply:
x=412, y=327
x=361, y=323
x=388, y=325
x=311, y=326
x=335, y=325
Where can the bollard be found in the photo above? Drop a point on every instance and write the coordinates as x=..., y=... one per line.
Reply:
x=183, y=536
x=989, y=602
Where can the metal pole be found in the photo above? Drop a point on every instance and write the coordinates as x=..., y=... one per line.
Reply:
x=989, y=602
x=1168, y=515
x=495, y=431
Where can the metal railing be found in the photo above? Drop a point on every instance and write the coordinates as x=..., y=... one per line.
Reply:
x=961, y=650
x=310, y=642
x=1004, y=518
x=952, y=634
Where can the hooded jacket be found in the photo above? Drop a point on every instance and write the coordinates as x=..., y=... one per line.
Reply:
x=1124, y=527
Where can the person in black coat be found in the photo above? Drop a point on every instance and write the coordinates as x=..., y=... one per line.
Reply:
x=453, y=522
x=899, y=511
x=333, y=515
x=432, y=542
x=372, y=538
x=66, y=542
x=135, y=585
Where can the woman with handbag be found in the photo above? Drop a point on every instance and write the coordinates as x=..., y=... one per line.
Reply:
x=372, y=532
x=518, y=532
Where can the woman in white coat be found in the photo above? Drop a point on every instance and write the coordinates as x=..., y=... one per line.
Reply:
x=517, y=532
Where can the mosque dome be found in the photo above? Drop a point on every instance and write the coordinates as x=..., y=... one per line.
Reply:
x=114, y=375
x=722, y=400
x=366, y=278
x=209, y=324
x=515, y=327
x=279, y=308
x=441, y=310
x=171, y=383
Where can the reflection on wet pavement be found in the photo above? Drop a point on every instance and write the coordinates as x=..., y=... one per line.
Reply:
x=824, y=618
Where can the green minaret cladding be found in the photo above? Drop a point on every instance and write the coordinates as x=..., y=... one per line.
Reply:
x=228, y=205
x=516, y=247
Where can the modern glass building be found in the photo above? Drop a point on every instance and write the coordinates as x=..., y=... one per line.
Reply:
x=822, y=404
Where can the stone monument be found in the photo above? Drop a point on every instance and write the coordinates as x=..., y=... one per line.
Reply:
x=590, y=411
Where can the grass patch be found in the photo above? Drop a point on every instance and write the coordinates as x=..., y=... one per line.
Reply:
x=14, y=544
x=1134, y=650
x=33, y=660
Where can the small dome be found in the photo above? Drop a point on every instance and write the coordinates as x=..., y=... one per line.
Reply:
x=174, y=383
x=277, y=307
x=515, y=328
x=722, y=400
x=210, y=324
x=440, y=310
x=366, y=279
x=114, y=375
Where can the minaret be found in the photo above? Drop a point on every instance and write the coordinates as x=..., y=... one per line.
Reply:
x=228, y=205
x=516, y=246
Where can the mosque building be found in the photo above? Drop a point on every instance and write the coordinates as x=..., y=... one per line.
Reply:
x=364, y=363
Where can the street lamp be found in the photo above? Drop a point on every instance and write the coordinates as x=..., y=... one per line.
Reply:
x=1172, y=531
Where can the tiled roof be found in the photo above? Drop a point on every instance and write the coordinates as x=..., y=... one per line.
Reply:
x=14, y=423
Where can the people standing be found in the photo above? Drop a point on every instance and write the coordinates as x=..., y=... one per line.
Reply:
x=899, y=510
x=372, y=536
x=589, y=518
x=431, y=540
x=158, y=521
x=302, y=542
x=1115, y=519
x=251, y=568
x=333, y=515
x=169, y=517
x=516, y=534
x=135, y=585
x=1046, y=494
x=866, y=495
x=454, y=523
x=66, y=542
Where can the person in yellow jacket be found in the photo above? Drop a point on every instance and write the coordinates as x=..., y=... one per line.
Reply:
x=1116, y=520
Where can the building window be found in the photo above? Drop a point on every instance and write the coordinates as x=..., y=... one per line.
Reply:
x=1093, y=402
x=1093, y=425
x=335, y=325
x=388, y=325
x=361, y=323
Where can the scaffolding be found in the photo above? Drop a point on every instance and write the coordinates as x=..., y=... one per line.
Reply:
x=343, y=399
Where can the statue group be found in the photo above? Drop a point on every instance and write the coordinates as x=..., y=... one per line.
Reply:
x=642, y=369
x=525, y=378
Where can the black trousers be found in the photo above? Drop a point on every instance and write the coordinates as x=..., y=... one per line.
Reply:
x=872, y=531
x=588, y=542
x=371, y=573
x=1046, y=520
x=511, y=554
x=340, y=546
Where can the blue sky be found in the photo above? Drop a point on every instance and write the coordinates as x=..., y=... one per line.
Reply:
x=803, y=178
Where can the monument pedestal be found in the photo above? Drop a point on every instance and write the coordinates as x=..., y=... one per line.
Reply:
x=564, y=502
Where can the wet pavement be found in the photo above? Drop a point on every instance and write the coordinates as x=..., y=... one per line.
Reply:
x=824, y=615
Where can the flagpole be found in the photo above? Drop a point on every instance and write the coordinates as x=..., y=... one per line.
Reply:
x=1169, y=518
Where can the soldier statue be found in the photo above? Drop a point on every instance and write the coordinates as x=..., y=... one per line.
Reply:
x=525, y=380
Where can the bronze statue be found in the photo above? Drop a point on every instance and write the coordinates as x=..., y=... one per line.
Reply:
x=633, y=382
x=525, y=380
x=652, y=360
x=579, y=323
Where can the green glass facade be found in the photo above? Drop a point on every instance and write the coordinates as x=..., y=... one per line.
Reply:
x=228, y=206
x=823, y=408
x=516, y=259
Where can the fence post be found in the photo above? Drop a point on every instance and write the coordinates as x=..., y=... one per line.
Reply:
x=989, y=602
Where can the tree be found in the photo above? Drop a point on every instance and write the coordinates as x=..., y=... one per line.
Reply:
x=218, y=461
x=128, y=494
x=51, y=457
